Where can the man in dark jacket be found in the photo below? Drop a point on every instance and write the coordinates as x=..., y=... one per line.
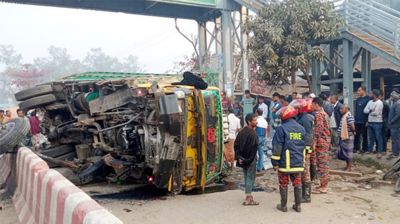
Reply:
x=361, y=120
x=288, y=157
x=394, y=124
x=328, y=107
x=246, y=147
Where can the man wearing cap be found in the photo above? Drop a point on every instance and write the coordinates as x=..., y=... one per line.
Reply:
x=394, y=124
x=288, y=156
x=322, y=142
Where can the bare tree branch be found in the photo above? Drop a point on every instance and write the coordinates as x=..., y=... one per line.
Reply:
x=192, y=42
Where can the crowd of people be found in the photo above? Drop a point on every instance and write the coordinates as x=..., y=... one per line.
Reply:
x=34, y=138
x=303, y=130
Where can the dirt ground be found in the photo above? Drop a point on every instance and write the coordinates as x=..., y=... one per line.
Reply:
x=7, y=212
x=350, y=200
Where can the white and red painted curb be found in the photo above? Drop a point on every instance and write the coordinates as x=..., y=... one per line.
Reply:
x=45, y=196
x=5, y=168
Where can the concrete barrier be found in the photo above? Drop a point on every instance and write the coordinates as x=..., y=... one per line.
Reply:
x=45, y=196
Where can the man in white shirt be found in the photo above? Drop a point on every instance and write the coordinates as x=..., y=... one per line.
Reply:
x=234, y=127
x=261, y=130
x=374, y=110
x=263, y=107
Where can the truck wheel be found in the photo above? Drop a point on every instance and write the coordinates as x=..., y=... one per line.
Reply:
x=397, y=186
x=395, y=168
x=13, y=133
x=37, y=101
x=33, y=92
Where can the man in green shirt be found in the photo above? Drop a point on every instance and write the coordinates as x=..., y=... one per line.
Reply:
x=247, y=103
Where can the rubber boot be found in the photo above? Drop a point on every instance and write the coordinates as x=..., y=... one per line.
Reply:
x=297, y=199
x=306, y=193
x=283, y=205
x=313, y=172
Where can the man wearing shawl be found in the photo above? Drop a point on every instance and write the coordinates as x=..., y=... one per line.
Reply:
x=346, y=132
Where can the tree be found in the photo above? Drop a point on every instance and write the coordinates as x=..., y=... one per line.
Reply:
x=59, y=63
x=281, y=34
x=9, y=57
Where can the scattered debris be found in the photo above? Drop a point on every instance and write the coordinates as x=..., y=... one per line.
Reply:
x=381, y=182
x=127, y=210
x=345, y=173
x=363, y=199
x=364, y=180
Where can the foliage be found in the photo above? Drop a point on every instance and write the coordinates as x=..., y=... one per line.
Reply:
x=281, y=33
x=17, y=76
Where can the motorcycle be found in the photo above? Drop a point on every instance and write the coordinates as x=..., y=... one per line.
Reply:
x=394, y=174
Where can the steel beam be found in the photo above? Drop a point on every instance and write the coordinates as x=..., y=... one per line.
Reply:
x=218, y=51
x=245, y=60
x=202, y=44
x=337, y=81
x=366, y=68
x=227, y=49
x=333, y=70
x=316, y=76
x=348, y=73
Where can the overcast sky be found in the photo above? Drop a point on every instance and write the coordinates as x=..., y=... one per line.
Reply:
x=154, y=40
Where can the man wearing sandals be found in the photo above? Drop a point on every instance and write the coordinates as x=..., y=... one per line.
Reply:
x=322, y=142
x=246, y=147
x=288, y=156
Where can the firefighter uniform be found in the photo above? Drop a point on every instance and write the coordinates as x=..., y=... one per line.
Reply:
x=288, y=157
x=307, y=121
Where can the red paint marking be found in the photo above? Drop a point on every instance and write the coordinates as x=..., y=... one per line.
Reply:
x=82, y=209
x=49, y=188
x=61, y=197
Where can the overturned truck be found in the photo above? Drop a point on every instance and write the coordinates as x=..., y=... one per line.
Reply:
x=140, y=127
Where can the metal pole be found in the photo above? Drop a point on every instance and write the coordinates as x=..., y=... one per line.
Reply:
x=218, y=50
x=245, y=65
x=334, y=71
x=366, y=68
x=348, y=73
x=202, y=44
x=316, y=76
x=227, y=49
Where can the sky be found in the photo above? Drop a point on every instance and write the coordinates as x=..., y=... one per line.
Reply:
x=154, y=40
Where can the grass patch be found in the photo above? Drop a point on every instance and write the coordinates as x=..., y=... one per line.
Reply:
x=369, y=162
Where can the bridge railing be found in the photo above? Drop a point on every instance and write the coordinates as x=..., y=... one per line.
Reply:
x=374, y=20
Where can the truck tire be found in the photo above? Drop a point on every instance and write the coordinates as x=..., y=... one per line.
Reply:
x=397, y=186
x=394, y=169
x=34, y=92
x=37, y=101
x=58, y=151
x=14, y=132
